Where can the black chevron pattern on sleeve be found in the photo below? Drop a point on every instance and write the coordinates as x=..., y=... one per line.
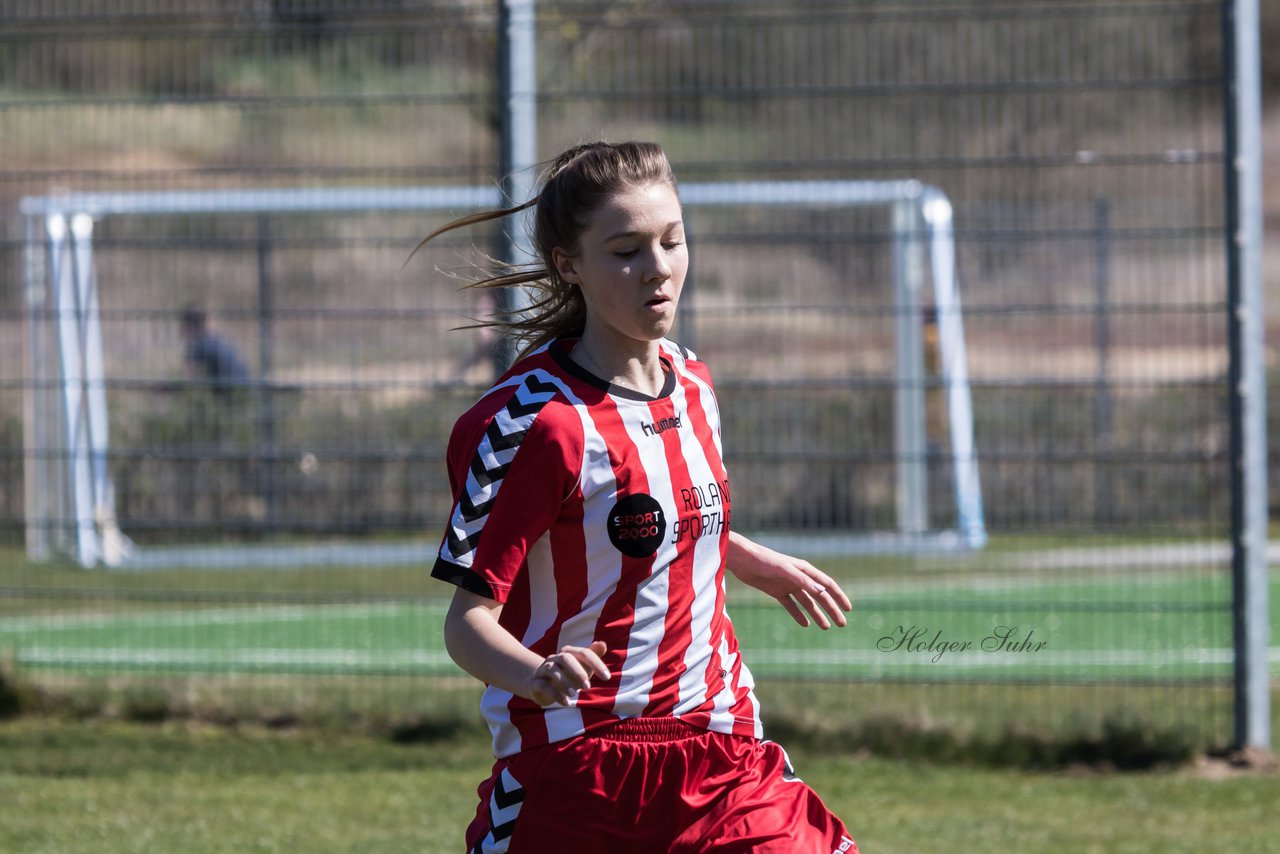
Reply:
x=492, y=460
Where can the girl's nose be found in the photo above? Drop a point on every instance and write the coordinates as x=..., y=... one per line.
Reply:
x=658, y=267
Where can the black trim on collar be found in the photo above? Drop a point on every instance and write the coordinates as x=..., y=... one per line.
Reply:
x=560, y=348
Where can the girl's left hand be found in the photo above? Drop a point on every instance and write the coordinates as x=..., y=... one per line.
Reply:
x=800, y=587
x=560, y=677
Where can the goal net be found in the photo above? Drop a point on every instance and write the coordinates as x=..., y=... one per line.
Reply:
x=328, y=450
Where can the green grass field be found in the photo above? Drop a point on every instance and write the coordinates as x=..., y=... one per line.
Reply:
x=345, y=665
x=1049, y=641
x=1166, y=626
x=69, y=788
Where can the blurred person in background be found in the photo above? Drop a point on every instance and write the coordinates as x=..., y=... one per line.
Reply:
x=210, y=359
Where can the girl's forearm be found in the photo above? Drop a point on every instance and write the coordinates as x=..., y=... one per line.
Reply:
x=480, y=646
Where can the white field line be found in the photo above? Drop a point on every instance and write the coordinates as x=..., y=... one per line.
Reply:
x=253, y=614
x=999, y=584
x=925, y=658
x=212, y=616
x=1202, y=553
x=160, y=657
x=880, y=661
x=862, y=593
x=858, y=590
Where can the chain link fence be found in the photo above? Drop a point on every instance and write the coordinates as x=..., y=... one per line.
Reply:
x=1080, y=146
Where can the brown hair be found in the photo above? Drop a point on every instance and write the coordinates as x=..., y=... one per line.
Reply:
x=193, y=317
x=573, y=187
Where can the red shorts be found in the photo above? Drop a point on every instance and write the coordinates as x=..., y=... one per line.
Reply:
x=653, y=785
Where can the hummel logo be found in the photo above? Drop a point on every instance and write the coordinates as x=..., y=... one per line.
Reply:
x=672, y=423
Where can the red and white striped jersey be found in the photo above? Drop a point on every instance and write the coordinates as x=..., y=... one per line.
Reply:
x=592, y=512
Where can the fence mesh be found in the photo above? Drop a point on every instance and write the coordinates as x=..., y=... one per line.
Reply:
x=1079, y=143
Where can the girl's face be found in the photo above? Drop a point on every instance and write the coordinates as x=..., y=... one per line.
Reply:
x=630, y=264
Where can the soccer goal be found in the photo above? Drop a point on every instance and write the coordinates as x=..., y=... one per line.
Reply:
x=70, y=496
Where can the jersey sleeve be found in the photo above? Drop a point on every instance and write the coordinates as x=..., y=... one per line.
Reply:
x=512, y=463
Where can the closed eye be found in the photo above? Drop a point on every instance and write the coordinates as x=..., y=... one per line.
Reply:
x=668, y=245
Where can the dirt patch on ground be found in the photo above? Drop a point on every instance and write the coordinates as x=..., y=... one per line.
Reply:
x=1236, y=763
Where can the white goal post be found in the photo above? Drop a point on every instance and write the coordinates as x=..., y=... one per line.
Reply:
x=70, y=504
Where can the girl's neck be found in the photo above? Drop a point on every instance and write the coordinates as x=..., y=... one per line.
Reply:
x=638, y=367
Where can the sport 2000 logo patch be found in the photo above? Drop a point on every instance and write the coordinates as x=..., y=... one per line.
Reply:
x=637, y=525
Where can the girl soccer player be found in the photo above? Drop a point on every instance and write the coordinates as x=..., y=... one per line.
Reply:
x=589, y=541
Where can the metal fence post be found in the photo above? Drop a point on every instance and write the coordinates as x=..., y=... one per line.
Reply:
x=909, y=392
x=265, y=397
x=36, y=422
x=1103, y=485
x=1246, y=374
x=518, y=115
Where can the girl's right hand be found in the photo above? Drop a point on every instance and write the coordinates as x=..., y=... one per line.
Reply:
x=561, y=676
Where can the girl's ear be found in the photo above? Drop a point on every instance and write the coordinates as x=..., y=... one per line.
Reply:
x=566, y=266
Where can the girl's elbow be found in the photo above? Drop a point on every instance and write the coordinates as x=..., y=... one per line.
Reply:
x=454, y=629
x=465, y=625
